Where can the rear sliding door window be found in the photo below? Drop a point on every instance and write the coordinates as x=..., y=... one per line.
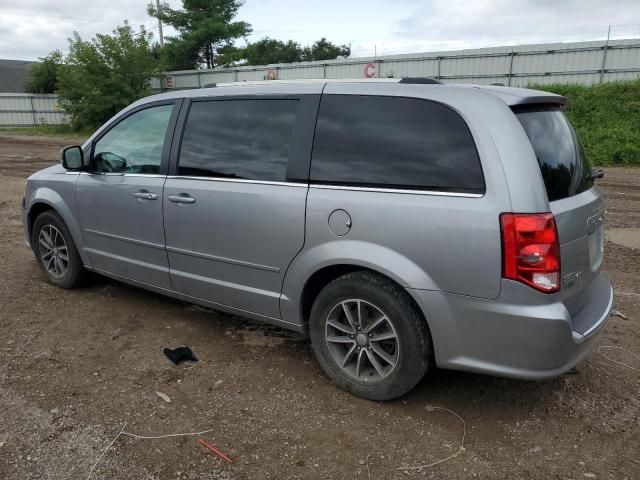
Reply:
x=564, y=167
x=243, y=139
x=394, y=142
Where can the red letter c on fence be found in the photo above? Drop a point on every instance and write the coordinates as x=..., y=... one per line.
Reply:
x=370, y=70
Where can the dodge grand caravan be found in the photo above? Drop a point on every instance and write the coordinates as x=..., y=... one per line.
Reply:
x=402, y=225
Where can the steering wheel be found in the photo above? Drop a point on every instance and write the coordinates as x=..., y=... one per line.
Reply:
x=145, y=159
x=111, y=163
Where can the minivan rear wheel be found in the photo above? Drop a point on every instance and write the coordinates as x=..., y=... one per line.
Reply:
x=369, y=337
x=55, y=251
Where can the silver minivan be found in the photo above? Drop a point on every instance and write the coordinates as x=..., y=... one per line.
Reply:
x=404, y=225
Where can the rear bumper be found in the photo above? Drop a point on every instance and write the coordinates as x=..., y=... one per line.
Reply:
x=518, y=335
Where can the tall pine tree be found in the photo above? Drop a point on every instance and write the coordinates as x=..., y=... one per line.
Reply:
x=206, y=29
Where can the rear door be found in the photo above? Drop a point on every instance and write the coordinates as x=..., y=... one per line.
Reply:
x=119, y=198
x=577, y=205
x=234, y=211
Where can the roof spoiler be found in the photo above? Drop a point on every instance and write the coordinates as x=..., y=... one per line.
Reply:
x=557, y=100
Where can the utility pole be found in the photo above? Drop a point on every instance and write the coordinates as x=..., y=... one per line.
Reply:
x=159, y=24
x=604, y=55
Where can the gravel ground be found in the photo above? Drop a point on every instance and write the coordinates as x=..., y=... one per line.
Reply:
x=76, y=365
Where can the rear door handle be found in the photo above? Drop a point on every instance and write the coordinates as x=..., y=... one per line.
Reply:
x=144, y=195
x=182, y=198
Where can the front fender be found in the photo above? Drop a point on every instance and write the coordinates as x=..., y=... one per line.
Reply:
x=346, y=252
x=63, y=203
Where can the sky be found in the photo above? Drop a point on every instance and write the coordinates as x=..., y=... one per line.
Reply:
x=29, y=30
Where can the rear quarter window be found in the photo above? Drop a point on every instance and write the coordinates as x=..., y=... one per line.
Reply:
x=394, y=142
x=564, y=166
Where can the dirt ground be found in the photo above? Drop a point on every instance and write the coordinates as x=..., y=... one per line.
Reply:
x=75, y=366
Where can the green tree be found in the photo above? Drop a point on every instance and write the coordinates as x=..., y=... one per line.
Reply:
x=43, y=76
x=100, y=77
x=323, y=49
x=268, y=50
x=206, y=31
x=177, y=55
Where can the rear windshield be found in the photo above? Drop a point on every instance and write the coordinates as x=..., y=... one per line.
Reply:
x=565, y=169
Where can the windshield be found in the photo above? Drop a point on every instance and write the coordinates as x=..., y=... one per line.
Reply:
x=565, y=169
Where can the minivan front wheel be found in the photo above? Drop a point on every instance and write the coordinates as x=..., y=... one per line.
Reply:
x=55, y=251
x=368, y=336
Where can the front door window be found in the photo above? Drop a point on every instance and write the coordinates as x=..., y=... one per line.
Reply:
x=135, y=144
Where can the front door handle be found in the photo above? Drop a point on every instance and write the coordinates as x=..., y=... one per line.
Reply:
x=182, y=198
x=144, y=195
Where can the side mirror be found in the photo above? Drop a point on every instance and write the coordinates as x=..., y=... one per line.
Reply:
x=599, y=173
x=72, y=158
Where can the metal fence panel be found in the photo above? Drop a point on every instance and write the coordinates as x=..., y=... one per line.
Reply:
x=251, y=75
x=620, y=58
x=579, y=62
x=218, y=77
x=26, y=110
x=529, y=64
x=427, y=67
x=296, y=73
x=520, y=65
x=347, y=70
x=181, y=82
x=618, y=76
x=477, y=65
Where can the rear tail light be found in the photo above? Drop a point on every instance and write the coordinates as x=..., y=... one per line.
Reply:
x=530, y=250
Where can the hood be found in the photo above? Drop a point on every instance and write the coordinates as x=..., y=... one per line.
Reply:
x=46, y=172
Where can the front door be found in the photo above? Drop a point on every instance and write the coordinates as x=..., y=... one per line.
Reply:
x=234, y=218
x=119, y=199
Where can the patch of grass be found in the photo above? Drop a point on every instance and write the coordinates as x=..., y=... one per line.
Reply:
x=63, y=130
x=607, y=119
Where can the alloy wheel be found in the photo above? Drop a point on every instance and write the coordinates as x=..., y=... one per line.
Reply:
x=53, y=251
x=362, y=340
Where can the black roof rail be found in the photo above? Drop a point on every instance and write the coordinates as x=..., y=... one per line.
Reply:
x=208, y=85
x=421, y=80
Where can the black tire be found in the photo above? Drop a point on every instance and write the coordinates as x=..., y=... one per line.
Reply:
x=75, y=274
x=414, y=352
